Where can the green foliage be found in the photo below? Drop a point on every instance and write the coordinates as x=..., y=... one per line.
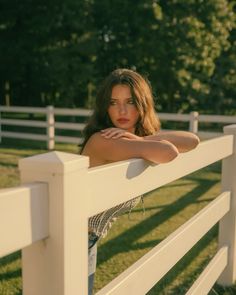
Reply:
x=58, y=52
x=46, y=50
x=176, y=42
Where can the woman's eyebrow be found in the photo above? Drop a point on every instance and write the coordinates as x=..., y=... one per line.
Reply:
x=118, y=99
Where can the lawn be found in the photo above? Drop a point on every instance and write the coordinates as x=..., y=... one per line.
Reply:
x=131, y=237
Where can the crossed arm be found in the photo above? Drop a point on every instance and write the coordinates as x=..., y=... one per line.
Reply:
x=114, y=144
x=182, y=140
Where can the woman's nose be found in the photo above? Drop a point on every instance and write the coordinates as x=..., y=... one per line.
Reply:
x=122, y=109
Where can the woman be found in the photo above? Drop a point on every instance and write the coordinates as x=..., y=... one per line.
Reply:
x=123, y=126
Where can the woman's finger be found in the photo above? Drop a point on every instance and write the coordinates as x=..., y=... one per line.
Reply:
x=111, y=129
x=110, y=132
x=107, y=132
x=118, y=135
x=114, y=133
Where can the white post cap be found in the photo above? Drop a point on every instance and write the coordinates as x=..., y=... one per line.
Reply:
x=54, y=162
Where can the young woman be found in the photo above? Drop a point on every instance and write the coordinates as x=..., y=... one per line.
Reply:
x=124, y=125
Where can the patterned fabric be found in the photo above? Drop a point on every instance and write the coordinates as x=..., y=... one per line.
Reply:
x=100, y=224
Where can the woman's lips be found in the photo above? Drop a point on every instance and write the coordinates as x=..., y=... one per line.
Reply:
x=122, y=120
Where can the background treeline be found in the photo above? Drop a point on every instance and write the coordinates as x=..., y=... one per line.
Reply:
x=57, y=52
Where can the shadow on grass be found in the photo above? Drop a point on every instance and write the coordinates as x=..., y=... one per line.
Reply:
x=164, y=206
x=123, y=243
x=23, y=144
x=8, y=165
x=186, y=283
x=10, y=258
x=25, y=148
x=221, y=290
x=19, y=151
x=10, y=274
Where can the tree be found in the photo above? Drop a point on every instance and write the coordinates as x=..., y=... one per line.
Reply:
x=46, y=51
x=222, y=95
x=176, y=42
x=58, y=52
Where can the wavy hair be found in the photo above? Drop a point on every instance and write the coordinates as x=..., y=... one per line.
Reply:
x=141, y=91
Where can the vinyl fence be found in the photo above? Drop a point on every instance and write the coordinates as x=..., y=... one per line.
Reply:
x=51, y=125
x=59, y=193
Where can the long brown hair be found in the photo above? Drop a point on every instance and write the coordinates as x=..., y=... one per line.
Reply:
x=142, y=94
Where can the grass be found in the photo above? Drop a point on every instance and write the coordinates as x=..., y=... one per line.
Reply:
x=130, y=238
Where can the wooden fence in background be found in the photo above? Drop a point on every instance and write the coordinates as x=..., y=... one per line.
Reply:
x=51, y=125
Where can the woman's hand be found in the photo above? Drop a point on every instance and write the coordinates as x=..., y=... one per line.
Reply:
x=118, y=133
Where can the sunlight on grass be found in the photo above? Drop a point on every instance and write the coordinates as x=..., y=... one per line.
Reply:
x=166, y=209
x=10, y=275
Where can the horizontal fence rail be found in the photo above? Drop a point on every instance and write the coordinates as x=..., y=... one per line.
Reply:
x=158, y=259
x=29, y=123
x=61, y=192
x=70, y=126
x=217, y=119
x=24, y=135
x=137, y=177
x=174, y=117
x=68, y=139
x=23, y=216
x=208, y=135
x=74, y=112
x=210, y=274
x=14, y=109
x=51, y=124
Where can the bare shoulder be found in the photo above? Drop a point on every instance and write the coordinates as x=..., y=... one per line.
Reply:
x=109, y=150
x=93, y=149
x=100, y=146
x=96, y=142
x=103, y=146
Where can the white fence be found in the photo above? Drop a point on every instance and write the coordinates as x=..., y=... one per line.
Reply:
x=59, y=193
x=50, y=124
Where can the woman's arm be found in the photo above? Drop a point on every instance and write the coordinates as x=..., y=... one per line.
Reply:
x=183, y=140
x=103, y=149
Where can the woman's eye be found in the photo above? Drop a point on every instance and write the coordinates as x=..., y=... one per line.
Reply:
x=131, y=101
x=112, y=102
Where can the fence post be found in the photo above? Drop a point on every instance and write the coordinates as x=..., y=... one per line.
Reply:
x=58, y=265
x=193, y=123
x=50, y=127
x=227, y=228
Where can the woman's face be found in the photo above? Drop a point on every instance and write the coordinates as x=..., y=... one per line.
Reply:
x=122, y=109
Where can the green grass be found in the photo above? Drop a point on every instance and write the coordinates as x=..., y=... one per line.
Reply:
x=130, y=238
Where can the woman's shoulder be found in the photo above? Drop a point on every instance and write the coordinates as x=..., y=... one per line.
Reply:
x=95, y=142
x=95, y=138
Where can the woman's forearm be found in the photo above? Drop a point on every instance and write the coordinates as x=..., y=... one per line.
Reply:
x=161, y=151
x=183, y=140
x=112, y=150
